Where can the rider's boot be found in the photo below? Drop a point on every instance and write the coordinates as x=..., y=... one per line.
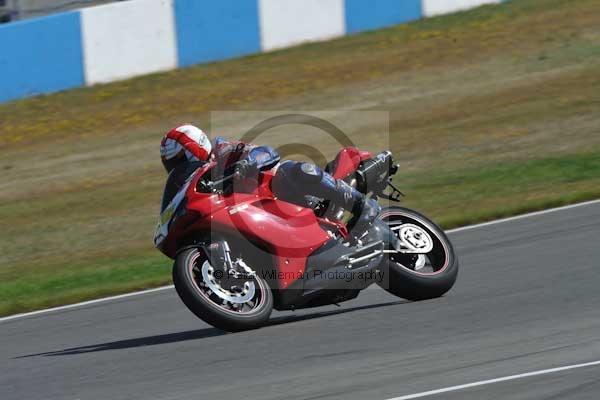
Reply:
x=364, y=210
x=369, y=210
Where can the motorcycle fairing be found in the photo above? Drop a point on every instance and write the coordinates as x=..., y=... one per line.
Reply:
x=167, y=215
x=332, y=260
x=290, y=232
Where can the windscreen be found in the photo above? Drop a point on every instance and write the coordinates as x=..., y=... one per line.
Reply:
x=176, y=180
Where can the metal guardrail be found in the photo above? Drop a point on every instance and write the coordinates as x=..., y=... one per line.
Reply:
x=11, y=10
x=6, y=11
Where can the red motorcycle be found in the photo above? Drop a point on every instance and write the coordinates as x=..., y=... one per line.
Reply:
x=240, y=252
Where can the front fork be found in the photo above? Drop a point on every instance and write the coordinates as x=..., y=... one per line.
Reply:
x=219, y=254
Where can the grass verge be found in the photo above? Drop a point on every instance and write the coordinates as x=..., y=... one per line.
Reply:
x=491, y=114
x=455, y=199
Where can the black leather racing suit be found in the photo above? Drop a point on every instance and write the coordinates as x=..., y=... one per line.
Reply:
x=295, y=180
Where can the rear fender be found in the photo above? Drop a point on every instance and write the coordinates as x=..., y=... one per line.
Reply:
x=346, y=162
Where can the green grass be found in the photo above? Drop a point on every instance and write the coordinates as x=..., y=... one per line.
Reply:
x=82, y=281
x=455, y=198
x=462, y=197
x=493, y=112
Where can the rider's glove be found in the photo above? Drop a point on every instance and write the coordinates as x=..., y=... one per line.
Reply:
x=244, y=169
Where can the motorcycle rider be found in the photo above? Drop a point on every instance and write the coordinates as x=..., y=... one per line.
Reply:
x=186, y=145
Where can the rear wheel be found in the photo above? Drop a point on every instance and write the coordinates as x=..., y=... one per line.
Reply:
x=427, y=268
x=224, y=300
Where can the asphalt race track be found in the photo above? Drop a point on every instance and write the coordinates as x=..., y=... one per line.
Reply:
x=527, y=299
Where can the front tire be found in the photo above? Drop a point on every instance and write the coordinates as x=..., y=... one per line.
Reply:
x=413, y=276
x=201, y=291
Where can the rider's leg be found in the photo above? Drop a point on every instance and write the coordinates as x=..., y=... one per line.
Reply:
x=294, y=180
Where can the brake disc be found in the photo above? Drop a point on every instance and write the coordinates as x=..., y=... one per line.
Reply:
x=239, y=296
x=414, y=239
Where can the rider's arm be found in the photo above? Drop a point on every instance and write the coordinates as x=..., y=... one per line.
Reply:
x=263, y=157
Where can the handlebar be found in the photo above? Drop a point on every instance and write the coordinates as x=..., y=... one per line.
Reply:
x=237, y=171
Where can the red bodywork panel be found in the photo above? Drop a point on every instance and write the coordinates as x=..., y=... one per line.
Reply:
x=290, y=232
x=347, y=161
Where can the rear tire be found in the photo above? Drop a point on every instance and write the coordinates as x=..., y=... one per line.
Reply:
x=405, y=280
x=190, y=288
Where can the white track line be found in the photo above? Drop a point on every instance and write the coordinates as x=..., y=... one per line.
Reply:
x=122, y=296
x=517, y=217
x=497, y=380
x=85, y=303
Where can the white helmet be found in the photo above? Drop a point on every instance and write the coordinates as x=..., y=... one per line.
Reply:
x=182, y=144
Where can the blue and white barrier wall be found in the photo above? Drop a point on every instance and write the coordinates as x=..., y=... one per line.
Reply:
x=40, y=56
x=125, y=39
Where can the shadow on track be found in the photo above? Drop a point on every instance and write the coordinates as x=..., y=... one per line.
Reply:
x=196, y=333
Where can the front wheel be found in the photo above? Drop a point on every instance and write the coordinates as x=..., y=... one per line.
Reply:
x=427, y=267
x=231, y=303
